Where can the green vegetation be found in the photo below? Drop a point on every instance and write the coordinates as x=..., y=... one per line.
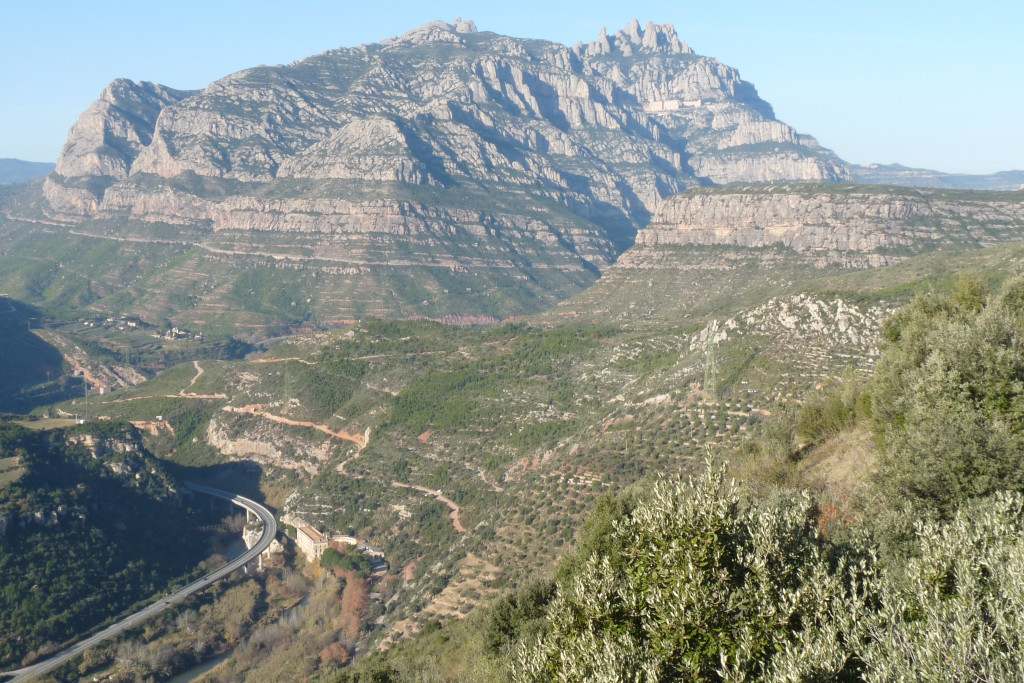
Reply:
x=464, y=394
x=715, y=588
x=948, y=398
x=348, y=561
x=709, y=580
x=90, y=526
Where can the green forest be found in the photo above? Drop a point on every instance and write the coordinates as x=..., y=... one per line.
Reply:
x=91, y=524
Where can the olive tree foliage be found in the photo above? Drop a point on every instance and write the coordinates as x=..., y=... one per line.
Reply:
x=948, y=398
x=956, y=611
x=710, y=588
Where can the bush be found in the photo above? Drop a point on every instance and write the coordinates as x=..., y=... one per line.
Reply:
x=712, y=589
x=956, y=611
x=348, y=561
x=948, y=398
x=709, y=589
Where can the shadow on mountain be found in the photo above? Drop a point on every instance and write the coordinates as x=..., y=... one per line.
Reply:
x=237, y=477
x=31, y=370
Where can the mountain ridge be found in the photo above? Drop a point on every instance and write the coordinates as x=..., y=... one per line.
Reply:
x=20, y=171
x=898, y=174
x=447, y=155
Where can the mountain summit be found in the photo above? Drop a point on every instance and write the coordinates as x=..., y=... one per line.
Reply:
x=446, y=149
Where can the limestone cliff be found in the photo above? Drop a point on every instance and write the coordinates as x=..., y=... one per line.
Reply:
x=850, y=225
x=729, y=133
x=608, y=129
x=104, y=142
x=444, y=148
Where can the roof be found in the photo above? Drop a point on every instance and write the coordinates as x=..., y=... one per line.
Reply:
x=313, y=534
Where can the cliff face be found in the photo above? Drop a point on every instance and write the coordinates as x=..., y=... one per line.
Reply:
x=104, y=143
x=606, y=129
x=852, y=225
x=729, y=133
x=497, y=163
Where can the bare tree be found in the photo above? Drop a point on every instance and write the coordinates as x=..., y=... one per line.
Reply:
x=160, y=657
x=234, y=523
x=188, y=622
x=131, y=656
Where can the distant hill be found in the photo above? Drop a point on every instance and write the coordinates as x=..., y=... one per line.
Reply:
x=18, y=171
x=897, y=174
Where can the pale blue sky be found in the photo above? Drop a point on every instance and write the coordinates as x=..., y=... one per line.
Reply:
x=934, y=84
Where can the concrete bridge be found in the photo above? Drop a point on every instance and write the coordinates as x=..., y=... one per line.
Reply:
x=254, y=553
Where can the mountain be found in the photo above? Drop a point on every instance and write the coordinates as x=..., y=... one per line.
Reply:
x=443, y=173
x=896, y=174
x=18, y=171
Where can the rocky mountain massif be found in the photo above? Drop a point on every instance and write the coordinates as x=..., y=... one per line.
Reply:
x=442, y=172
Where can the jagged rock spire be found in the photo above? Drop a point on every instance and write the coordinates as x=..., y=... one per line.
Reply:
x=652, y=38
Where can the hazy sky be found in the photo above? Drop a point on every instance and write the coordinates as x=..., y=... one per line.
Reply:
x=933, y=84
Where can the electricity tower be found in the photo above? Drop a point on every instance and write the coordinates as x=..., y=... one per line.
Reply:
x=710, y=366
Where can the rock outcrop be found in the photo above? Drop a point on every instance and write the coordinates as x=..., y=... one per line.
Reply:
x=729, y=133
x=850, y=225
x=104, y=143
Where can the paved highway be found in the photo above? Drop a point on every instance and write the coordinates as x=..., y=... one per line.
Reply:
x=269, y=531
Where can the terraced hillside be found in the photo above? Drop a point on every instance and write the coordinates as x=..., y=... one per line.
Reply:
x=468, y=455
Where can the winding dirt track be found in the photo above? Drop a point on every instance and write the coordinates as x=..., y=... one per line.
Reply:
x=257, y=410
x=199, y=373
x=447, y=501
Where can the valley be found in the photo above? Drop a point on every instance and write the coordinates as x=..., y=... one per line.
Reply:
x=463, y=308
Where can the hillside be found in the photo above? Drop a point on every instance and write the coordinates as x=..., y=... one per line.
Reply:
x=868, y=517
x=90, y=523
x=511, y=433
x=446, y=173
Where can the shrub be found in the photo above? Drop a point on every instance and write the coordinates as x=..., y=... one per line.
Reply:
x=956, y=612
x=709, y=588
x=948, y=398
